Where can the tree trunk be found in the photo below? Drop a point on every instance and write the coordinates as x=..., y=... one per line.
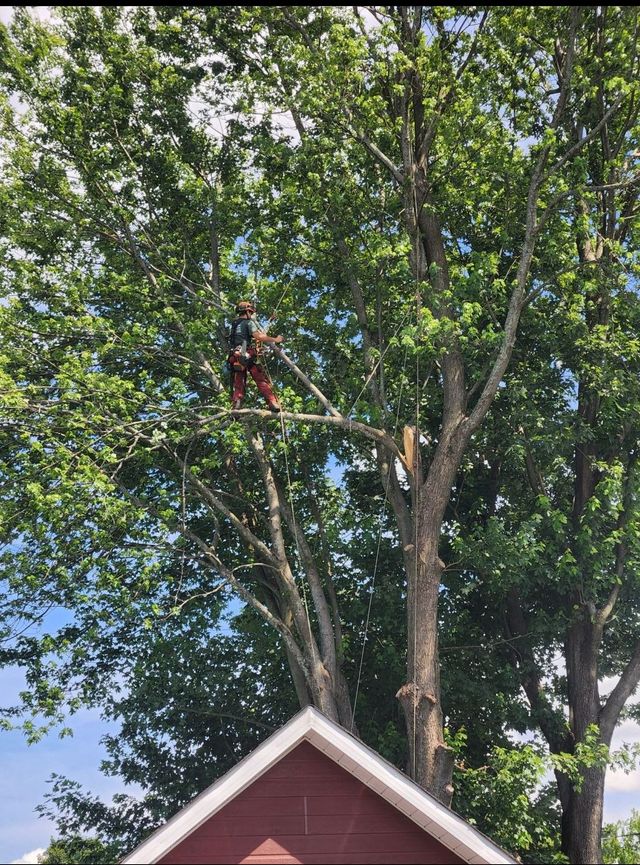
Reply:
x=343, y=702
x=582, y=820
x=582, y=814
x=430, y=759
x=298, y=678
x=324, y=697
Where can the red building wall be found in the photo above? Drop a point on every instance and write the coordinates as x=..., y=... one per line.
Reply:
x=307, y=809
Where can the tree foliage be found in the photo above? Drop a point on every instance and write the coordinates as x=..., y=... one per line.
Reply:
x=620, y=841
x=77, y=851
x=439, y=204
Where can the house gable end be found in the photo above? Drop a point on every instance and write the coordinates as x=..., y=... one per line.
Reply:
x=307, y=808
x=355, y=758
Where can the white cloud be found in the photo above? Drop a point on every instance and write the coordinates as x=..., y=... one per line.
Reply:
x=621, y=783
x=628, y=731
x=30, y=858
x=42, y=13
x=618, y=781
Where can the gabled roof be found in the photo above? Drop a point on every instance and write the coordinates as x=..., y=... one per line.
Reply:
x=355, y=757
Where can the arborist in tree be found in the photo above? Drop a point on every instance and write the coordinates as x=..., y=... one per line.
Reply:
x=244, y=340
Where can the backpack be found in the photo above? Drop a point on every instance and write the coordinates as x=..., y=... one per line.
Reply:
x=239, y=340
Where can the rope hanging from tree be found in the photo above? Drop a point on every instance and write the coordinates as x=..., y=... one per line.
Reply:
x=375, y=566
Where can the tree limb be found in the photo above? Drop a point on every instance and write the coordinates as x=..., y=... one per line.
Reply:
x=376, y=435
x=311, y=387
x=627, y=683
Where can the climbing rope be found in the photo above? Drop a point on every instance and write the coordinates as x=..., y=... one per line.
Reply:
x=379, y=361
x=375, y=566
x=285, y=443
x=416, y=484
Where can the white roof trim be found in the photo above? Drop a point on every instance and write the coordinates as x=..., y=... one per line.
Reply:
x=355, y=757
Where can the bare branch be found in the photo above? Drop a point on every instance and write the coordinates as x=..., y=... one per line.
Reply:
x=375, y=151
x=627, y=683
x=380, y=436
x=311, y=387
x=580, y=144
x=246, y=534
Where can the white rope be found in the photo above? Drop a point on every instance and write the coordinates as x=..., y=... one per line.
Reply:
x=285, y=443
x=380, y=359
x=375, y=566
x=417, y=481
x=184, y=520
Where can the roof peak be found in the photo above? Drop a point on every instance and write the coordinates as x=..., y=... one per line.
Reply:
x=349, y=752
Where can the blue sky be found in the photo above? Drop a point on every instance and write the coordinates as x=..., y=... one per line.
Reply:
x=25, y=769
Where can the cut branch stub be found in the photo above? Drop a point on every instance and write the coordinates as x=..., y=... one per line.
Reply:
x=410, y=694
x=409, y=443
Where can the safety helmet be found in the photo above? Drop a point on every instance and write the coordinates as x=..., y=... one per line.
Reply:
x=245, y=306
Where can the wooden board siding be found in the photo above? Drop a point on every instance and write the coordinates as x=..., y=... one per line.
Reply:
x=307, y=809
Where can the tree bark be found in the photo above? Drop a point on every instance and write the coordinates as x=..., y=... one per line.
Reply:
x=582, y=817
x=430, y=759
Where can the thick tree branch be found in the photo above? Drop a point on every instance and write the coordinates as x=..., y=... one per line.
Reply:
x=550, y=721
x=227, y=573
x=376, y=435
x=205, y=493
x=306, y=381
x=374, y=150
x=627, y=683
x=327, y=635
x=276, y=508
x=429, y=134
x=518, y=296
x=326, y=555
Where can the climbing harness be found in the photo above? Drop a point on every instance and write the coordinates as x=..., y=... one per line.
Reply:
x=240, y=355
x=244, y=357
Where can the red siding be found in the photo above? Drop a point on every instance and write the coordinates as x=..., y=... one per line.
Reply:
x=307, y=809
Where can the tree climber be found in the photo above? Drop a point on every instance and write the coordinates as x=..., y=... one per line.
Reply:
x=245, y=332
